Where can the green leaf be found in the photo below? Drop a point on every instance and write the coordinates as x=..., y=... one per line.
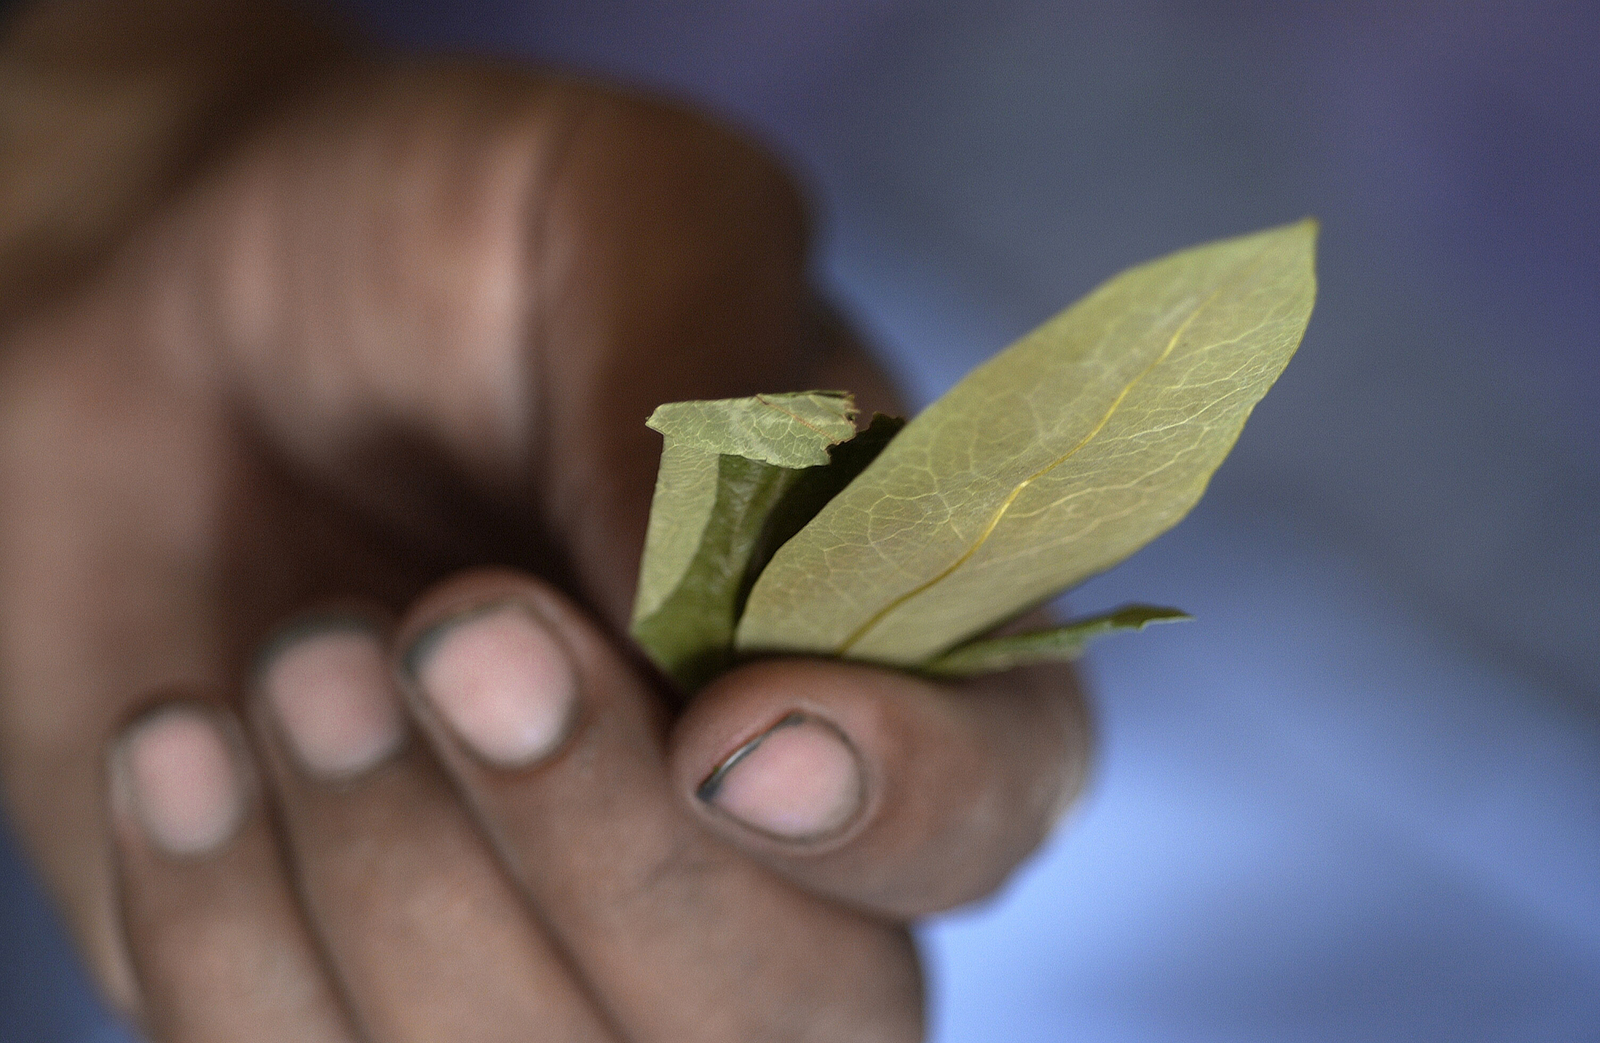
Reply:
x=816, y=486
x=790, y=430
x=725, y=464
x=688, y=630
x=989, y=654
x=737, y=477
x=1049, y=463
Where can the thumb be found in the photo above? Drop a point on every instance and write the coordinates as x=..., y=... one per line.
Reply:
x=878, y=788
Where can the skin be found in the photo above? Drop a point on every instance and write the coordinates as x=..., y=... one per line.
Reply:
x=383, y=338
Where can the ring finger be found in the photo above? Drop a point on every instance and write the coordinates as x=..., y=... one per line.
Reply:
x=429, y=939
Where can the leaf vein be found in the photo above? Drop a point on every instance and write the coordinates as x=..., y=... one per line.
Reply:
x=994, y=521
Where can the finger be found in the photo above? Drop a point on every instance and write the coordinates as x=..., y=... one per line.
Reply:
x=880, y=788
x=495, y=276
x=556, y=745
x=429, y=938
x=102, y=112
x=217, y=942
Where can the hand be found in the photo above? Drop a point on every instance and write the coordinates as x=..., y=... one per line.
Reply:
x=632, y=908
x=383, y=913
x=407, y=323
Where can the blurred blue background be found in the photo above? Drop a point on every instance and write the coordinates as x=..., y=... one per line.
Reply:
x=1359, y=799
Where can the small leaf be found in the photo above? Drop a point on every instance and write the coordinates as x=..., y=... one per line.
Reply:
x=689, y=633
x=990, y=654
x=725, y=465
x=1051, y=462
x=791, y=431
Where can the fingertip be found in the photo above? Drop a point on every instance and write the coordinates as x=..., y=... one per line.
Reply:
x=799, y=781
x=176, y=785
x=879, y=787
x=181, y=777
x=495, y=661
x=795, y=739
x=202, y=894
x=321, y=693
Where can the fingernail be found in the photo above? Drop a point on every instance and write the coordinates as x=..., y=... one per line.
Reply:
x=178, y=771
x=799, y=780
x=327, y=683
x=501, y=680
